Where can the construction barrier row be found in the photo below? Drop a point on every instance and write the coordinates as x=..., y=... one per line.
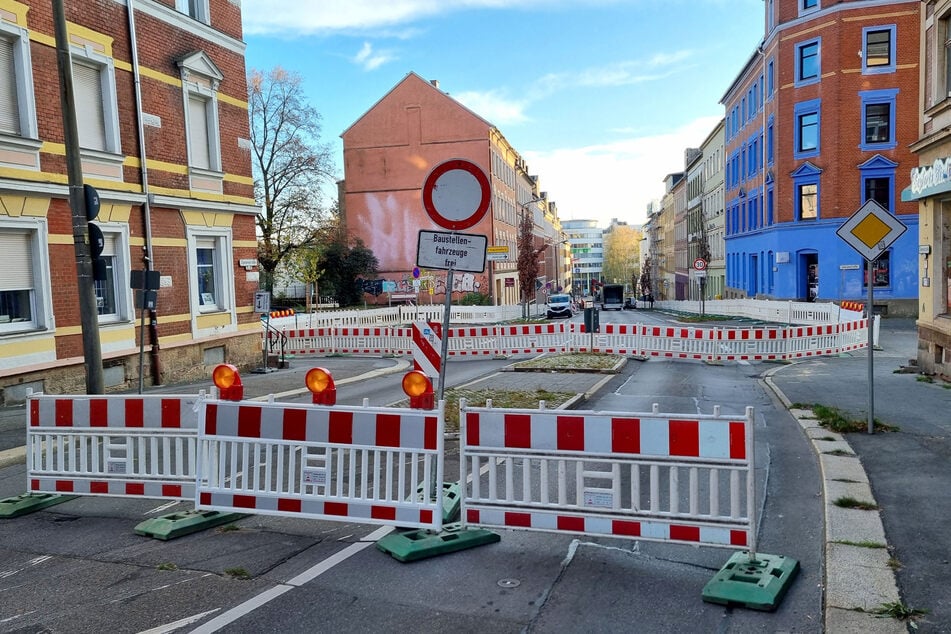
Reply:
x=674, y=342
x=653, y=476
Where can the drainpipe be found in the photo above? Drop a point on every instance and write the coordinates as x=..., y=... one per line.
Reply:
x=147, y=259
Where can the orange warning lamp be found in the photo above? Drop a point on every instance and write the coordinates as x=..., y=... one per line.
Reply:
x=419, y=389
x=228, y=381
x=321, y=385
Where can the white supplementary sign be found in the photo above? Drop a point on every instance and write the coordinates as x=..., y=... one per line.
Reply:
x=262, y=302
x=871, y=230
x=456, y=251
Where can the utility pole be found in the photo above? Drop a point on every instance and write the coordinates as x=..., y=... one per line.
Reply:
x=89, y=317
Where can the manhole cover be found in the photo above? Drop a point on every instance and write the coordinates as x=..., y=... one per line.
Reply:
x=509, y=583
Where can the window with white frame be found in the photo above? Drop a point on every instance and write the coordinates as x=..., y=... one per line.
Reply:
x=806, y=6
x=197, y=9
x=17, y=107
x=212, y=274
x=200, y=80
x=878, y=54
x=112, y=303
x=18, y=283
x=94, y=91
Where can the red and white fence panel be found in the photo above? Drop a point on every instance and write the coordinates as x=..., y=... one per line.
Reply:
x=613, y=339
x=751, y=344
x=679, y=343
x=366, y=465
x=474, y=341
x=533, y=338
x=138, y=446
x=651, y=476
x=812, y=341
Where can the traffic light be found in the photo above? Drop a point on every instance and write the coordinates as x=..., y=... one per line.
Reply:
x=97, y=241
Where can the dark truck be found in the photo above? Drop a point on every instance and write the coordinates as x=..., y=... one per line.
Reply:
x=612, y=297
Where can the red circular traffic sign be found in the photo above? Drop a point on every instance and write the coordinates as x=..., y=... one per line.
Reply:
x=456, y=194
x=700, y=264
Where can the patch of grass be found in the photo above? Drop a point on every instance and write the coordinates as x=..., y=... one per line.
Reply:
x=898, y=610
x=500, y=398
x=923, y=378
x=238, y=573
x=228, y=528
x=848, y=502
x=836, y=420
x=862, y=544
x=571, y=361
x=166, y=566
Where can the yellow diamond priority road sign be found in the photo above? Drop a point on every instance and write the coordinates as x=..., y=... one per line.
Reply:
x=871, y=230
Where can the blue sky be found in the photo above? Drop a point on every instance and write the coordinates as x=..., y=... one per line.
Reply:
x=600, y=96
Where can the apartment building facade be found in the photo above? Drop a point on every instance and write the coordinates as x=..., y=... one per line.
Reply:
x=160, y=91
x=819, y=121
x=930, y=189
x=709, y=228
x=389, y=151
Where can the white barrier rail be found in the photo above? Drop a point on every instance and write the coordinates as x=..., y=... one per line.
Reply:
x=653, y=476
x=142, y=446
x=367, y=465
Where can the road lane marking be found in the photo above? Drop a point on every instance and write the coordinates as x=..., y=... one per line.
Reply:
x=235, y=613
x=171, y=627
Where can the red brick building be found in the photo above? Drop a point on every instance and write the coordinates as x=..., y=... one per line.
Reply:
x=160, y=92
x=389, y=151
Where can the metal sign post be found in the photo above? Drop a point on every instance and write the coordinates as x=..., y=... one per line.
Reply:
x=871, y=230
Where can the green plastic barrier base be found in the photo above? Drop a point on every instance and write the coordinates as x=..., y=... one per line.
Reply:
x=420, y=544
x=178, y=524
x=30, y=502
x=758, y=584
x=451, y=502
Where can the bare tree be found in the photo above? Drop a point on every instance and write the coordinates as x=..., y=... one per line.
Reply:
x=290, y=164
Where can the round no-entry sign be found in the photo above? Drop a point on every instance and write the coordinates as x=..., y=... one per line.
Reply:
x=700, y=264
x=456, y=194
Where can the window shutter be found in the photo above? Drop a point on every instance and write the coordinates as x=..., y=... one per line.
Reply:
x=9, y=110
x=109, y=248
x=89, y=113
x=198, y=132
x=18, y=256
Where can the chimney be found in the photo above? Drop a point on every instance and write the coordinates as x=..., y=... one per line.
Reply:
x=434, y=82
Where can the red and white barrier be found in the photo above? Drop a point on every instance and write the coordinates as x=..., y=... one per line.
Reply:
x=368, y=465
x=427, y=349
x=142, y=446
x=653, y=476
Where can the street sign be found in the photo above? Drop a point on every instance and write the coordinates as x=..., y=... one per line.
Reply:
x=497, y=253
x=871, y=230
x=456, y=251
x=456, y=194
x=262, y=302
x=700, y=264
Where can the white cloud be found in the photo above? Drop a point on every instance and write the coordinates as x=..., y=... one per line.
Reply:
x=615, y=180
x=493, y=107
x=306, y=17
x=370, y=59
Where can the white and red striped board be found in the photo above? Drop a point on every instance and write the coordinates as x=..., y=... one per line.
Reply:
x=357, y=464
x=811, y=341
x=679, y=343
x=120, y=446
x=652, y=476
x=614, y=338
x=473, y=341
x=751, y=344
x=533, y=338
x=427, y=348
